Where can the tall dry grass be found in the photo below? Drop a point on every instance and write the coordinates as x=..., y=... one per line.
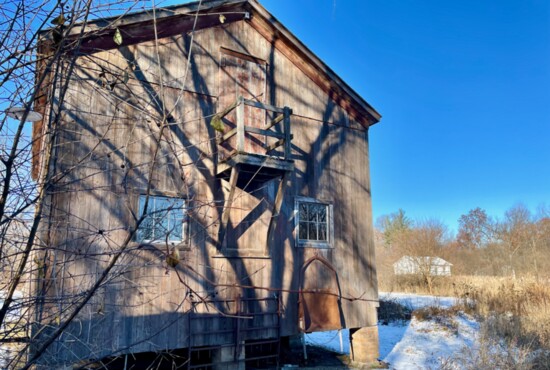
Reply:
x=515, y=310
x=514, y=316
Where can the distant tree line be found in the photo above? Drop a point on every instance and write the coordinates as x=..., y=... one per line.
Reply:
x=516, y=244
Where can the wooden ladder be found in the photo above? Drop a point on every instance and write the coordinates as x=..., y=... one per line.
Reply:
x=242, y=328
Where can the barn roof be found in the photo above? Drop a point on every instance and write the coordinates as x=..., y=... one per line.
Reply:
x=179, y=19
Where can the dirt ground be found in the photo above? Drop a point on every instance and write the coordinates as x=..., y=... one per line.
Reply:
x=318, y=358
x=315, y=357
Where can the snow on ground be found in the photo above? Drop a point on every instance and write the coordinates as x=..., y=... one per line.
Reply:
x=413, y=344
x=330, y=340
x=416, y=301
x=427, y=344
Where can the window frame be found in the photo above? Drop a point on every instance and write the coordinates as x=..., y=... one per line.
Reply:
x=306, y=243
x=184, y=217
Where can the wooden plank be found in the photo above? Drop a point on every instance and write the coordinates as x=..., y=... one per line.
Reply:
x=261, y=161
x=277, y=119
x=244, y=56
x=276, y=212
x=274, y=146
x=227, y=205
x=288, y=147
x=226, y=136
x=256, y=104
x=240, y=125
x=260, y=131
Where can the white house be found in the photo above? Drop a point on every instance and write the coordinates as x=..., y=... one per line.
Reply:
x=412, y=265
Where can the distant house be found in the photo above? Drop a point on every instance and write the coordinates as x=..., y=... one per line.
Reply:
x=412, y=265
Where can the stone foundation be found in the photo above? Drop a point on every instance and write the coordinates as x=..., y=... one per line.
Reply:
x=364, y=346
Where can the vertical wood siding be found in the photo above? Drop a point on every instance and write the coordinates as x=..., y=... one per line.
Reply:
x=105, y=149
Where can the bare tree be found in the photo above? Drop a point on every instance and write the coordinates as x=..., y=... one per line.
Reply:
x=39, y=49
x=475, y=230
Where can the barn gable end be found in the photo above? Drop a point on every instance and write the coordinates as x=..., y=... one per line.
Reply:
x=140, y=122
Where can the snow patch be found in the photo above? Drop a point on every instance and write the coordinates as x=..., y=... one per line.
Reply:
x=412, y=344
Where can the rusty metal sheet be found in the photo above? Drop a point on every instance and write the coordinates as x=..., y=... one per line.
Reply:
x=319, y=297
x=320, y=312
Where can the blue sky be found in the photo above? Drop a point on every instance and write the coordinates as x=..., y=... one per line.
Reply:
x=464, y=90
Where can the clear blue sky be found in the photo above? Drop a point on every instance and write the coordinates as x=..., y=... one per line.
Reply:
x=464, y=90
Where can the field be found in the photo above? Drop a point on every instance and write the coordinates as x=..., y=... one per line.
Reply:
x=514, y=318
x=469, y=323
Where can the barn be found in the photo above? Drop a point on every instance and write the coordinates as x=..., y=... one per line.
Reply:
x=208, y=193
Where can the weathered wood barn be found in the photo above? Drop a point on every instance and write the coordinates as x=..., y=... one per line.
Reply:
x=209, y=182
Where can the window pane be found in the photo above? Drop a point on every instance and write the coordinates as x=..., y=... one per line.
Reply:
x=312, y=212
x=164, y=219
x=176, y=222
x=302, y=230
x=162, y=228
x=142, y=205
x=312, y=231
x=176, y=230
x=323, y=231
x=162, y=206
x=145, y=231
x=322, y=212
x=302, y=215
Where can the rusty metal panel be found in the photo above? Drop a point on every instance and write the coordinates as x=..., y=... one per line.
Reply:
x=320, y=307
x=320, y=311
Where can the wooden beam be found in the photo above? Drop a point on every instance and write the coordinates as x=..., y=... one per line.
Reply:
x=260, y=161
x=277, y=119
x=288, y=136
x=275, y=214
x=226, y=136
x=227, y=205
x=240, y=124
x=259, y=131
x=140, y=27
x=277, y=144
x=256, y=104
x=228, y=109
x=274, y=146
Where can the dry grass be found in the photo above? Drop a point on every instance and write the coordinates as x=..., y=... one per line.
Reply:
x=515, y=310
x=443, y=317
x=514, y=316
x=414, y=284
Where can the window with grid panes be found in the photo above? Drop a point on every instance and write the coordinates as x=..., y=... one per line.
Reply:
x=164, y=221
x=313, y=222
